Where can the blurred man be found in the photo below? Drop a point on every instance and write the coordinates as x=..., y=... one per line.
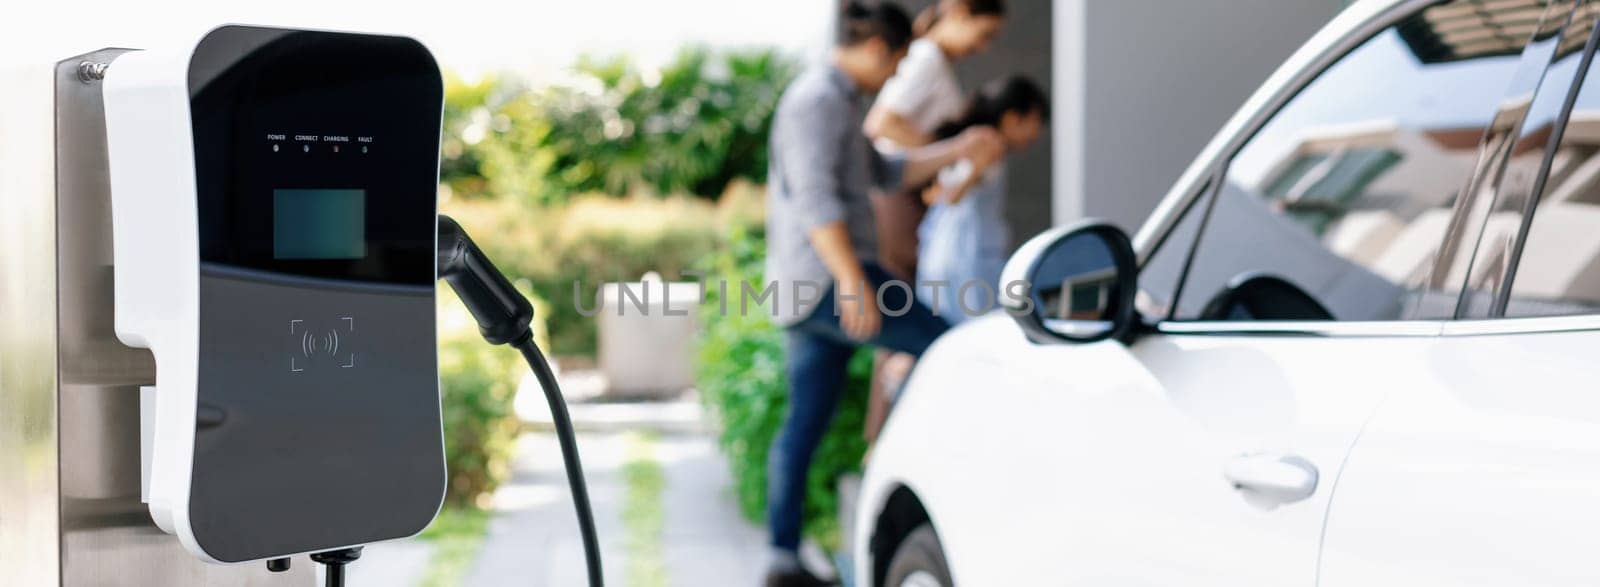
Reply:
x=822, y=245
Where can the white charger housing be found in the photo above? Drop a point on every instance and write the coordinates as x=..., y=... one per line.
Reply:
x=274, y=224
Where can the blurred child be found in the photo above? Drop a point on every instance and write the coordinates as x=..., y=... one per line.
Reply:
x=964, y=240
x=923, y=94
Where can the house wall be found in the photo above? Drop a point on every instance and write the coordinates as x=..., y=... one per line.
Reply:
x=1142, y=85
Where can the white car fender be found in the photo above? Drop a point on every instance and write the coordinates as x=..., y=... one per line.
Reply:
x=958, y=435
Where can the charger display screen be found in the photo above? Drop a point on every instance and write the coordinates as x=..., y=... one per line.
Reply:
x=319, y=224
x=317, y=156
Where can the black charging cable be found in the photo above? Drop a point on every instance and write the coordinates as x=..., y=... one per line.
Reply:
x=333, y=562
x=504, y=317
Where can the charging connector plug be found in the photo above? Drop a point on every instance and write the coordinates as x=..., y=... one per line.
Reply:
x=503, y=317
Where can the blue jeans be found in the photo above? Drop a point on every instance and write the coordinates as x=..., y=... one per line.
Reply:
x=818, y=352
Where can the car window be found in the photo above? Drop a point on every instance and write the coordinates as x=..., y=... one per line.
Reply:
x=1158, y=278
x=1558, y=271
x=1335, y=208
x=1502, y=219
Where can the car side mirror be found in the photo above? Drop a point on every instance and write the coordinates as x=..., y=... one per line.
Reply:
x=1079, y=281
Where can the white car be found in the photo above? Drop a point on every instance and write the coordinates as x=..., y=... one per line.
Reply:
x=1357, y=344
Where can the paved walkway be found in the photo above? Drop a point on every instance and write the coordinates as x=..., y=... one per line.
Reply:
x=401, y=563
x=707, y=541
x=533, y=540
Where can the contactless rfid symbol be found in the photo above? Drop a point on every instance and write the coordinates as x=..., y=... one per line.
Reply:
x=321, y=345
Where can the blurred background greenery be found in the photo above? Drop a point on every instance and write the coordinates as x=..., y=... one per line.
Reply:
x=478, y=384
x=614, y=172
x=692, y=126
x=617, y=171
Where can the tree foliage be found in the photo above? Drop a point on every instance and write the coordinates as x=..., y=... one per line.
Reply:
x=692, y=126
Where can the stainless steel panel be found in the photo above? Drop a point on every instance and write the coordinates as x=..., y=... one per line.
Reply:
x=106, y=536
x=29, y=552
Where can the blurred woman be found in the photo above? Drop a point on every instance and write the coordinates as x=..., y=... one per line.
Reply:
x=922, y=95
x=964, y=239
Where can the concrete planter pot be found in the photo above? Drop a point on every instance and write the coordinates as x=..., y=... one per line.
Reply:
x=646, y=336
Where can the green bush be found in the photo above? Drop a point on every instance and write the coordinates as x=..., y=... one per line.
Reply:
x=692, y=127
x=536, y=172
x=591, y=240
x=740, y=374
x=478, y=384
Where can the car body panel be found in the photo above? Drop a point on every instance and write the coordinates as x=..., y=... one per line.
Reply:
x=1131, y=461
x=964, y=384
x=1485, y=473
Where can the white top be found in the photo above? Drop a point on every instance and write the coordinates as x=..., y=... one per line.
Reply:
x=924, y=89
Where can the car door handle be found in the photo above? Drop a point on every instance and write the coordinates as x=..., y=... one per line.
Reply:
x=1271, y=480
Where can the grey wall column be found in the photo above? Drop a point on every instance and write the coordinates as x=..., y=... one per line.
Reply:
x=1143, y=85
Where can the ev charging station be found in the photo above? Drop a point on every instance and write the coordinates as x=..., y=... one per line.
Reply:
x=219, y=324
x=273, y=222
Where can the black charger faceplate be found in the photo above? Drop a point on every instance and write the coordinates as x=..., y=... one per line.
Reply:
x=322, y=369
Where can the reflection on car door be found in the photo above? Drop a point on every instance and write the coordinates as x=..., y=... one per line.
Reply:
x=1487, y=470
